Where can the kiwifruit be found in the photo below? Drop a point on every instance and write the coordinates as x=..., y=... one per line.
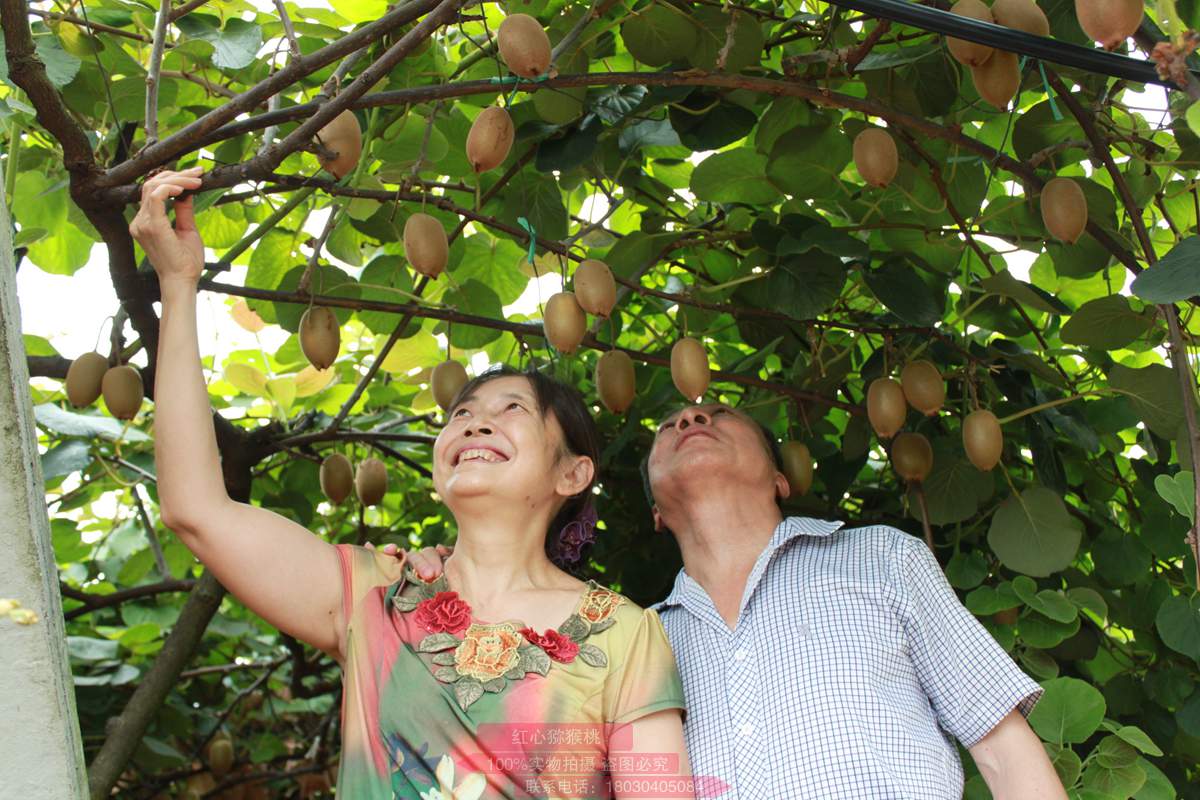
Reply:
x=1021, y=15
x=1008, y=616
x=797, y=466
x=615, y=381
x=320, y=336
x=875, y=156
x=337, y=477
x=370, y=481
x=246, y=317
x=84, y=377
x=447, y=379
x=425, y=244
x=886, y=407
x=923, y=386
x=912, y=456
x=689, y=368
x=982, y=439
x=341, y=136
x=1109, y=22
x=490, y=139
x=1064, y=209
x=122, y=390
x=564, y=322
x=199, y=785
x=998, y=79
x=595, y=288
x=218, y=754
x=523, y=45
x=972, y=54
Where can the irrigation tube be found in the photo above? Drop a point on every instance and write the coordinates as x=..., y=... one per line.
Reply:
x=1045, y=48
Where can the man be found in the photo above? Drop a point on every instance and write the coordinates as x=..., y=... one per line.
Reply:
x=821, y=661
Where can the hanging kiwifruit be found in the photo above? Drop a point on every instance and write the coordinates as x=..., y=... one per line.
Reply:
x=84, y=377
x=218, y=754
x=1064, y=209
x=1021, y=15
x=998, y=79
x=972, y=54
x=564, y=322
x=524, y=45
x=595, y=288
x=341, y=137
x=875, y=156
x=198, y=786
x=615, y=381
x=1109, y=22
x=689, y=368
x=797, y=466
x=923, y=386
x=982, y=439
x=370, y=481
x=886, y=407
x=320, y=336
x=490, y=139
x=912, y=456
x=337, y=477
x=447, y=379
x=425, y=244
x=122, y=390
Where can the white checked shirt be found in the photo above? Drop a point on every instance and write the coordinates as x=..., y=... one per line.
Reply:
x=851, y=665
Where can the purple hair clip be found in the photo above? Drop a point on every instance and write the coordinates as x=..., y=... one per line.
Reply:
x=575, y=535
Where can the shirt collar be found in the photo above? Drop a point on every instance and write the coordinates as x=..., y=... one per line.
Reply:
x=788, y=529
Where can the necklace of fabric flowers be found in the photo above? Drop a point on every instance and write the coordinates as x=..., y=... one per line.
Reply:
x=477, y=658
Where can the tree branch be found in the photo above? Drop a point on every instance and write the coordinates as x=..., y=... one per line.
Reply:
x=154, y=69
x=93, y=602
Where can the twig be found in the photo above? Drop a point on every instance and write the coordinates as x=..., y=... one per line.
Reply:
x=288, y=30
x=318, y=246
x=200, y=80
x=88, y=24
x=855, y=57
x=155, y=67
x=186, y=8
x=151, y=535
x=225, y=669
x=93, y=602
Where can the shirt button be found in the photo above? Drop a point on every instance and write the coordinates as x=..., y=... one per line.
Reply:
x=740, y=655
x=746, y=729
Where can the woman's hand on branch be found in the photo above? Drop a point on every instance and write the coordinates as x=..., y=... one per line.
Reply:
x=427, y=561
x=176, y=253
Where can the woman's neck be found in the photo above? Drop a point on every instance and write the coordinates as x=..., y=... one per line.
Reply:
x=494, y=557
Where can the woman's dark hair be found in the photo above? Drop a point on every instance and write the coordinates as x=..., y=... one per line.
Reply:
x=580, y=436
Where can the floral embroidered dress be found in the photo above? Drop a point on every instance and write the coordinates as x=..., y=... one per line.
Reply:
x=438, y=705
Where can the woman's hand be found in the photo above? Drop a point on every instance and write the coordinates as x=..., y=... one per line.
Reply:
x=427, y=561
x=177, y=254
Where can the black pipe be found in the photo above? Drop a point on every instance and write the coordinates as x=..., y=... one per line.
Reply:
x=1045, y=48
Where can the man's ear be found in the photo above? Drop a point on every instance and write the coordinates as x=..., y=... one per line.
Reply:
x=659, y=527
x=575, y=476
x=783, y=489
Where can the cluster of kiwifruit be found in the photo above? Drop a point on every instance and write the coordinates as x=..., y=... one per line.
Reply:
x=996, y=73
x=90, y=376
x=369, y=480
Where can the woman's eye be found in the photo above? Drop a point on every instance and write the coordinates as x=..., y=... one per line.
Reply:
x=458, y=412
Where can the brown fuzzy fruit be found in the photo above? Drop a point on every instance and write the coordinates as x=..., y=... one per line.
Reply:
x=341, y=136
x=218, y=754
x=972, y=54
x=524, y=45
x=198, y=785
x=886, y=407
x=564, y=322
x=1021, y=15
x=490, y=139
x=320, y=336
x=1064, y=209
x=912, y=456
x=122, y=390
x=998, y=80
x=875, y=156
x=370, y=481
x=337, y=477
x=595, y=288
x=923, y=386
x=1109, y=22
x=425, y=245
x=982, y=439
x=615, y=381
x=797, y=466
x=689, y=368
x=447, y=379
x=84, y=377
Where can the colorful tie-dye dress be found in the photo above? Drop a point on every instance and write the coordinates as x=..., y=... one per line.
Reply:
x=438, y=705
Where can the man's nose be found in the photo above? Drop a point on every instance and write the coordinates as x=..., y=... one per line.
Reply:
x=692, y=416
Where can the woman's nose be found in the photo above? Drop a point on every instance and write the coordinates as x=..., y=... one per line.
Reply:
x=481, y=428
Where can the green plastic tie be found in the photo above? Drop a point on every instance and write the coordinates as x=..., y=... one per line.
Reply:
x=1049, y=94
x=528, y=226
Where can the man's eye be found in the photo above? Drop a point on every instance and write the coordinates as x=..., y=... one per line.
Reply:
x=716, y=411
x=458, y=412
x=513, y=405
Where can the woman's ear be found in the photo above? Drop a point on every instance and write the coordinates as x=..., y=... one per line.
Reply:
x=575, y=475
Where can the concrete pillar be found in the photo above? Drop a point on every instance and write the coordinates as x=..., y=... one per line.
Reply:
x=41, y=757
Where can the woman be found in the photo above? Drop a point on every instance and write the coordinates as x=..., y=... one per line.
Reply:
x=506, y=676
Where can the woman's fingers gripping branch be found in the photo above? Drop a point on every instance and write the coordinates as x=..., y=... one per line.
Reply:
x=176, y=252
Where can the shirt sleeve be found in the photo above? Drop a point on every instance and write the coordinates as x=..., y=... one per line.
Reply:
x=362, y=571
x=971, y=682
x=647, y=679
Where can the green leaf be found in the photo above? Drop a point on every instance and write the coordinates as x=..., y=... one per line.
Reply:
x=806, y=162
x=1180, y=491
x=1157, y=786
x=633, y=253
x=966, y=570
x=712, y=35
x=64, y=458
x=1065, y=762
x=61, y=66
x=1069, y=712
x=1028, y=295
x=801, y=286
x=1193, y=117
x=954, y=488
x=69, y=423
x=85, y=648
x=1137, y=737
x=659, y=34
x=734, y=176
x=473, y=297
x=1106, y=323
x=592, y=655
x=1178, y=624
x=1113, y=782
x=234, y=46
x=901, y=290
x=1154, y=393
x=496, y=263
x=1032, y=533
x=1175, y=277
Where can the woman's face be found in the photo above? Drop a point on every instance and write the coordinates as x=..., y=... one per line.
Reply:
x=496, y=443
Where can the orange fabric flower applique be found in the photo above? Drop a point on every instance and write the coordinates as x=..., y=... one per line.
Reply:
x=488, y=651
x=599, y=605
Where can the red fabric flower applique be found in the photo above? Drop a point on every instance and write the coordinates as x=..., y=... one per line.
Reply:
x=558, y=647
x=445, y=612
